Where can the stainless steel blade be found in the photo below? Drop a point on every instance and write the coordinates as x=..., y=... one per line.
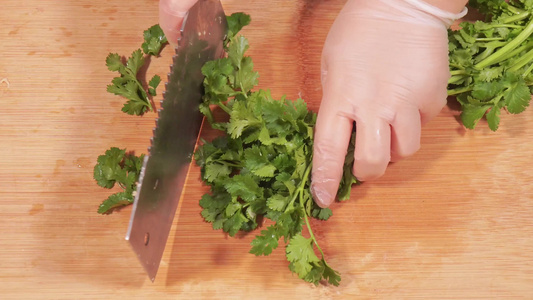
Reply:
x=165, y=168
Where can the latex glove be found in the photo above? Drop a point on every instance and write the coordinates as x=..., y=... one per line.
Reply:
x=384, y=66
x=171, y=15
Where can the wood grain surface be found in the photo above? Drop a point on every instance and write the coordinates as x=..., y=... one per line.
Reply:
x=453, y=221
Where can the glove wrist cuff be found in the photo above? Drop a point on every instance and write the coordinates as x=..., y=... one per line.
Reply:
x=445, y=16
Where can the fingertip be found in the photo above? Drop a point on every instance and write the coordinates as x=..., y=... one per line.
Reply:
x=370, y=169
x=331, y=139
x=326, y=174
x=321, y=195
x=171, y=20
x=372, y=149
x=405, y=134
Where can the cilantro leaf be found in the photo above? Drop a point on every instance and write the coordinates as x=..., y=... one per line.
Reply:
x=278, y=202
x=234, y=223
x=107, y=171
x=471, y=114
x=301, y=255
x=135, y=62
x=127, y=85
x=246, y=78
x=517, y=96
x=214, y=206
x=266, y=242
x=486, y=90
x=258, y=162
x=493, y=118
x=244, y=187
x=236, y=50
x=332, y=276
x=322, y=213
x=316, y=273
x=153, y=83
x=115, y=201
x=214, y=171
x=114, y=63
x=117, y=167
x=236, y=22
x=490, y=74
x=154, y=39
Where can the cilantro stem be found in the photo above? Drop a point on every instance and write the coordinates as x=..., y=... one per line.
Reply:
x=243, y=92
x=528, y=30
x=457, y=66
x=224, y=108
x=307, y=223
x=145, y=96
x=515, y=52
x=310, y=230
x=300, y=188
x=299, y=193
x=457, y=78
x=528, y=70
x=519, y=16
x=458, y=72
x=497, y=99
x=504, y=26
x=230, y=164
x=488, y=39
x=460, y=90
x=522, y=61
x=514, y=9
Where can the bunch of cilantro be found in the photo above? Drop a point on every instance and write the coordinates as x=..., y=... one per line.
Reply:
x=491, y=62
x=116, y=166
x=260, y=166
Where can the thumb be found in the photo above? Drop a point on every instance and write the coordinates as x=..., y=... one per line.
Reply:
x=171, y=15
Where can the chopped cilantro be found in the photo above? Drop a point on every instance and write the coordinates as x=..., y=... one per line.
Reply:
x=261, y=166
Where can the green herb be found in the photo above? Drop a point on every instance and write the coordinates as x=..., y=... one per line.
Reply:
x=154, y=39
x=491, y=62
x=117, y=167
x=152, y=85
x=127, y=84
x=235, y=23
x=261, y=165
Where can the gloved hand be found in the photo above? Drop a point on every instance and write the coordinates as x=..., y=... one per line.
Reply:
x=384, y=66
x=171, y=15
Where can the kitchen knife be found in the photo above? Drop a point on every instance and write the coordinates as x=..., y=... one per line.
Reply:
x=165, y=168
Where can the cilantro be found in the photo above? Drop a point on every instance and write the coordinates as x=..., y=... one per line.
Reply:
x=261, y=165
x=268, y=240
x=154, y=39
x=114, y=201
x=117, y=167
x=491, y=61
x=127, y=84
x=153, y=83
x=301, y=255
x=236, y=22
x=259, y=168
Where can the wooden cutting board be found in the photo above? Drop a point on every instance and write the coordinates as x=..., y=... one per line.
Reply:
x=453, y=221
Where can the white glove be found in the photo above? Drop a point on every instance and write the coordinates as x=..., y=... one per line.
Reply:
x=384, y=67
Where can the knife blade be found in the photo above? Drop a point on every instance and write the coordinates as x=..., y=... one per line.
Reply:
x=177, y=128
